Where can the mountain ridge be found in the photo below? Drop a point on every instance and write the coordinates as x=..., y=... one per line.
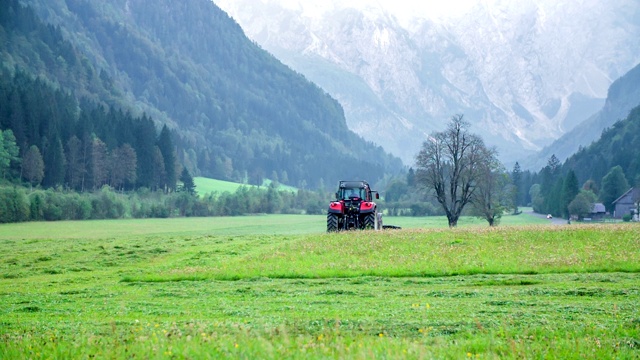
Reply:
x=525, y=73
x=239, y=111
x=623, y=95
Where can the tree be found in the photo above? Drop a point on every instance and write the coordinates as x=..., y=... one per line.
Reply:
x=187, y=182
x=159, y=174
x=33, y=166
x=570, y=190
x=145, y=151
x=614, y=184
x=168, y=155
x=516, y=179
x=54, y=170
x=9, y=152
x=395, y=191
x=75, y=163
x=493, y=193
x=99, y=163
x=411, y=177
x=4, y=156
x=122, y=166
x=450, y=164
x=553, y=200
x=549, y=175
x=591, y=186
x=537, y=200
x=582, y=204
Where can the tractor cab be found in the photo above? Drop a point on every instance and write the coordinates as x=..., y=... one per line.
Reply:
x=355, y=190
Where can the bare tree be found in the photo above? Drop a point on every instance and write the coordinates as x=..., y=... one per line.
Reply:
x=122, y=166
x=99, y=164
x=450, y=164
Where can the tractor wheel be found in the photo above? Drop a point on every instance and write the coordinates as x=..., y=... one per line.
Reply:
x=370, y=221
x=332, y=222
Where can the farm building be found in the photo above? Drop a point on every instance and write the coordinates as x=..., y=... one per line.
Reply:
x=598, y=212
x=627, y=203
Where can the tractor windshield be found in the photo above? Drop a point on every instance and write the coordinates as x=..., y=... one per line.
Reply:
x=352, y=193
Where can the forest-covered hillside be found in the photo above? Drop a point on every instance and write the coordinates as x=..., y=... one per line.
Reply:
x=601, y=172
x=619, y=145
x=235, y=111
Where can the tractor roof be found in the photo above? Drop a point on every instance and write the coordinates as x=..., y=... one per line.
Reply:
x=353, y=184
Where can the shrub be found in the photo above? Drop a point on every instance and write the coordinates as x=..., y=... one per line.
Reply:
x=107, y=205
x=627, y=217
x=14, y=205
x=36, y=206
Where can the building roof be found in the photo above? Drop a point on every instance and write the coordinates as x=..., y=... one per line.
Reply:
x=598, y=208
x=625, y=194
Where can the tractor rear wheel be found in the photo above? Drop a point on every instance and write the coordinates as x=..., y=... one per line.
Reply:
x=332, y=222
x=370, y=221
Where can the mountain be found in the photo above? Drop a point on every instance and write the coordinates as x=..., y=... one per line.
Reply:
x=622, y=96
x=524, y=73
x=618, y=146
x=238, y=112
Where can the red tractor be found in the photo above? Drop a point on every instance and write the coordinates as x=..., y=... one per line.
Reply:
x=354, y=208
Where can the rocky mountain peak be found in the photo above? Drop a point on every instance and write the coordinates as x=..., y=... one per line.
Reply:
x=524, y=73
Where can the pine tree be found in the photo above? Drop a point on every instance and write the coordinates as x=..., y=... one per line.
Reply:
x=516, y=180
x=145, y=151
x=168, y=155
x=54, y=163
x=33, y=166
x=187, y=182
x=570, y=190
x=75, y=163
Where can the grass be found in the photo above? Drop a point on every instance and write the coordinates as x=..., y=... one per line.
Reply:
x=240, y=225
x=148, y=289
x=100, y=229
x=206, y=186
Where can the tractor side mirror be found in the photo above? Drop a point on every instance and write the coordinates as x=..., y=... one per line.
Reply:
x=377, y=196
x=337, y=196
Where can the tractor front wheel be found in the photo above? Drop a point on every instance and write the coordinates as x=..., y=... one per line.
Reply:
x=370, y=221
x=332, y=222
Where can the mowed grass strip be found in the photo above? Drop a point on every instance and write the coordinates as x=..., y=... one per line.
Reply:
x=426, y=253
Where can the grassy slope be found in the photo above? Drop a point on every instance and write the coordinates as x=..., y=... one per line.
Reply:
x=118, y=292
x=206, y=186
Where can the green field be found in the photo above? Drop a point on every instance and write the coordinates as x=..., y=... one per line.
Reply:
x=278, y=287
x=206, y=186
x=240, y=225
